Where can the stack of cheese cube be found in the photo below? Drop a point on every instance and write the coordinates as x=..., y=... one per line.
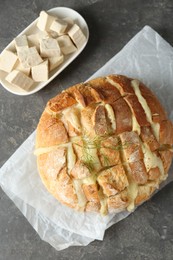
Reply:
x=38, y=54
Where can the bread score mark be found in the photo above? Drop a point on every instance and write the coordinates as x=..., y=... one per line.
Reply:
x=135, y=124
x=72, y=114
x=155, y=126
x=151, y=160
x=80, y=194
x=111, y=117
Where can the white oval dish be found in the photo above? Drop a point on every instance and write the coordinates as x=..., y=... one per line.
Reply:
x=61, y=12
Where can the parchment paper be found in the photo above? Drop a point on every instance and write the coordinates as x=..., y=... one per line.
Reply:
x=147, y=57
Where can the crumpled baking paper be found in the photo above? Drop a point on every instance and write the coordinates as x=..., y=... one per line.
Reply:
x=147, y=57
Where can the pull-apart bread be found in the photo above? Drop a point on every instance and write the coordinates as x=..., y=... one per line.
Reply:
x=104, y=145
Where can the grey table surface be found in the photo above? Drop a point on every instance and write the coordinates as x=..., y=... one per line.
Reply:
x=148, y=232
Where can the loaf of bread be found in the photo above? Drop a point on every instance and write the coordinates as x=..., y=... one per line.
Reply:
x=104, y=145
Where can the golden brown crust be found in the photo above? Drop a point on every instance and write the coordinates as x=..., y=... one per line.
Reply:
x=166, y=130
x=104, y=145
x=148, y=137
x=51, y=163
x=64, y=189
x=144, y=193
x=99, y=121
x=137, y=109
x=50, y=131
x=92, y=206
x=113, y=180
x=79, y=98
x=139, y=172
x=118, y=202
x=86, y=122
x=109, y=94
x=132, y=147
x=154, y=173
x=109, y=151
x=60, y=102
x=123, y=116
x=80, y=171
x=157, y=111
x=166, y=157
x=89, y=94
x=91, y=192
x=123, y=84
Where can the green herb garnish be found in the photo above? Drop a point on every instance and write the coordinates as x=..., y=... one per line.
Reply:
x=96, y=142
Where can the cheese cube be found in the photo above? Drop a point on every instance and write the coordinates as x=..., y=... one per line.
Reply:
x=49, y=48
x=45, y=21
x=40, y=72
x=29, y=57
x=77, y=35
x=19, y=79
x=7, y=60
x=18, y=66
x=58, y=26
x=54, y=62
x=66, y=44
x=34, y=39
x=21, y=41
x=69, y=22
